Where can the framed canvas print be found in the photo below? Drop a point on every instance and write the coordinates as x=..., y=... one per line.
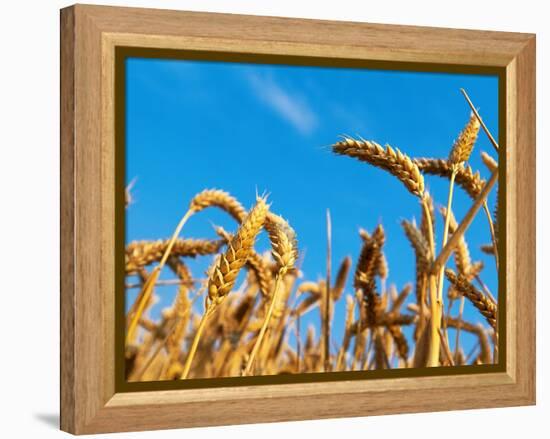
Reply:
x=269, y=219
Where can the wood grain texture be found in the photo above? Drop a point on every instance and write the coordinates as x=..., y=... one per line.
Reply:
x=89, y=36
x=67, y=253
x=524, y=224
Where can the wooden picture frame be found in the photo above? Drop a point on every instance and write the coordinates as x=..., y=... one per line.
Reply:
x=90, y=36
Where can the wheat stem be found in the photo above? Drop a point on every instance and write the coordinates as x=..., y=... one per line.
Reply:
x=156, y=352
x=445, y=237
x=433, y=355
x=210, y=307
x=446, y=350
x=492, y=230
x=489, y=135
x=458, y=327
x=265, y=323
x=298, y=344
x=464, y=224
x=430, y=225
x=149, y=284
x=327, y=303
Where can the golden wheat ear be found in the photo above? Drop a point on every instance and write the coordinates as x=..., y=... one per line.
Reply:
x=489, y=162
x=224, y=274
x=238, y=250
x=392, y=160
x=483, y=304
x=220, y=199
x=463, y=146
x=285, y=252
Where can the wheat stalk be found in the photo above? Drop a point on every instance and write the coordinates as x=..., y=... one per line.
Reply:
x=225, y=272
x=350, y=312
x=285, y=252
x=427, y=217
x=460, y=153
x=327, y=302
x=181, y=306
x=463, y=261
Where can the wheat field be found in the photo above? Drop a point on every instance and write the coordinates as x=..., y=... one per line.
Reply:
x=238, y=318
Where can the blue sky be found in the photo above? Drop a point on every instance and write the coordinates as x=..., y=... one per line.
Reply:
x=245, y=128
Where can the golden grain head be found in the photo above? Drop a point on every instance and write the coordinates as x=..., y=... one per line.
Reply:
x=470, y=182
x=478, y=299
x=283, y=242
x=341, y=278
x=368, y=264
x=220, y=199
x=427, y=224
x=489, y=161
x=141, y=253
x=463, y=146
x=230, y=263
x=419, y=244
x=392, y=160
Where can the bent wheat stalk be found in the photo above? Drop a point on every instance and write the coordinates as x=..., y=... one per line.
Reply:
x=460, y=153
x=223, y=276
x=206, y=198
x=327, y=299
x=285, y=253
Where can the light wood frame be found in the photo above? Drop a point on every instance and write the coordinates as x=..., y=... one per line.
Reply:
x=89, y=35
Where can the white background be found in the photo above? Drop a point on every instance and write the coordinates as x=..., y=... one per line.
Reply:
x=29, y=218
